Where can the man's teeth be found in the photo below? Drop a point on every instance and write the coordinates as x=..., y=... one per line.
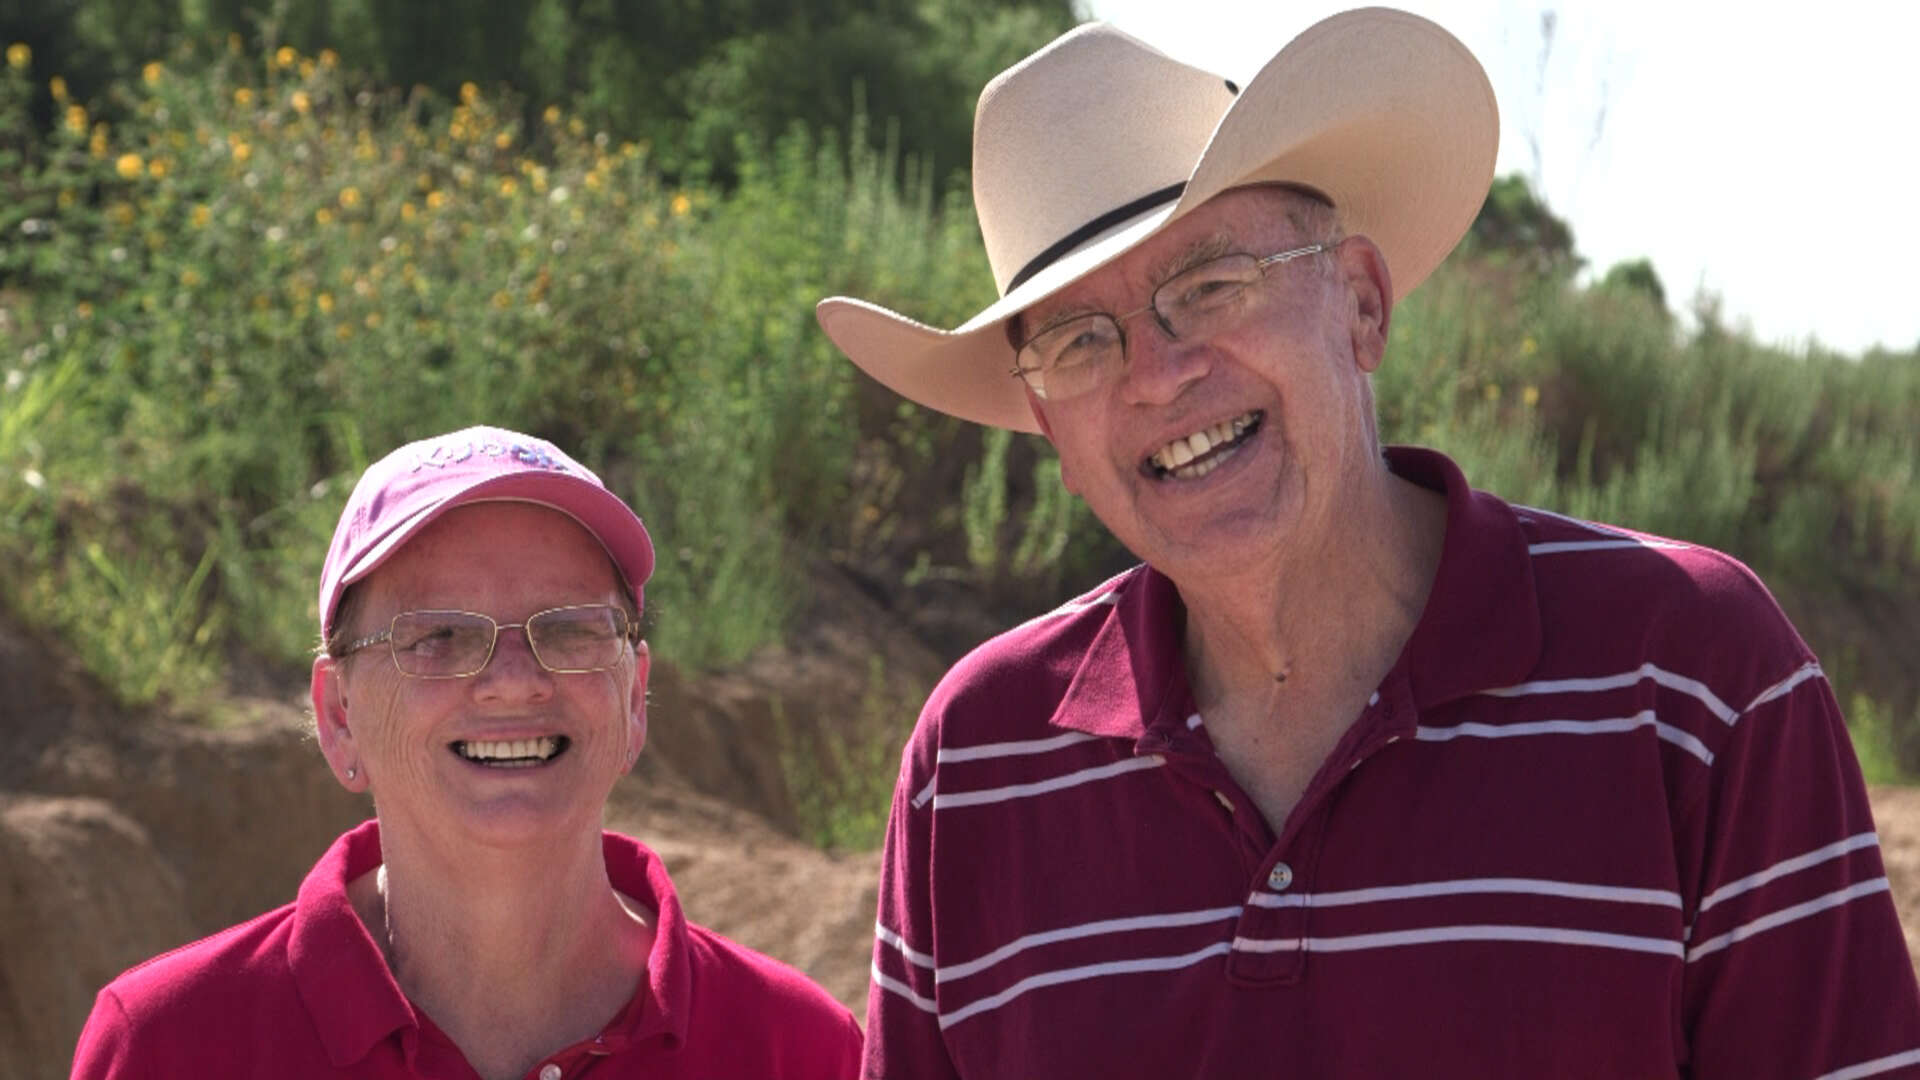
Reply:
x=510, y=752
x=1182, y=451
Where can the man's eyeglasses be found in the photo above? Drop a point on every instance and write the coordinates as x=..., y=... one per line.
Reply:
x=458, y=644
x=1082, y=353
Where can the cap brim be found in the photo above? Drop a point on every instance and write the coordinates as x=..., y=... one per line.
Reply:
x=1384, y=112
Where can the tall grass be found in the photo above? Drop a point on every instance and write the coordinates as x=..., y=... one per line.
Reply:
x=215, y=311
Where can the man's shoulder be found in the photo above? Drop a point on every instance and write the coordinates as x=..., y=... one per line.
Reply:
x=1604, y=587
x=1040, y=654
x=1657, y=574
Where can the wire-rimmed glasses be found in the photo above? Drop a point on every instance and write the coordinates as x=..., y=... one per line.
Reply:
x=457, y=644
x=1081, y=353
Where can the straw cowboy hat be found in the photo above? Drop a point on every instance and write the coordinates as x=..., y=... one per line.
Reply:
x=1098, y=141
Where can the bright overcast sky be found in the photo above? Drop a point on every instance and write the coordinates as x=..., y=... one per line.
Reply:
x=1767, y=158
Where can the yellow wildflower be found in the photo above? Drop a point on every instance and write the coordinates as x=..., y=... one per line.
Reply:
x=285, y=56
x=457, y=130
x=594, y=181
x=329, y=59
x=83, y=310
x=57, y=86
x=1530, y=396
x=306, y=69
x=323, y=216
x=157, y=168
x=242, y=150
x=576, y=127
x=436, y=199
x=502, y=301
x=552, y=115
x=507, y=186
x=1528, y=346
x=97, y=144
x=373, y=320
x=66, y=199
x=243, y=96
x=343, y=331
x=681, y=204
x=129, y=166
x=407, y=211
x=121, y=213
x=349, y=197
x=150, y=74
x=19, y=55
x=1491, y=391
x=301, y=102
x=190, y=277
x=324, y=302
x=202, y=214
x=503, y=140
x=234, y=44
x=77, y=119
x=469, y=93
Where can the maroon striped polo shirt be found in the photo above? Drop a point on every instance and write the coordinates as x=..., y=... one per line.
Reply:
x=1601, y=819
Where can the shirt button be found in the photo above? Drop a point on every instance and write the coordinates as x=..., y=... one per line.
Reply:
x=550, y=1072
x=1280, y=877
x=1224, y=801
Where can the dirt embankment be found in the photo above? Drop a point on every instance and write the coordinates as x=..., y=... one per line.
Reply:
x=125, y=835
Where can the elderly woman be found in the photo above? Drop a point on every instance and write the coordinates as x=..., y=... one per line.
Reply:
x=484, y=679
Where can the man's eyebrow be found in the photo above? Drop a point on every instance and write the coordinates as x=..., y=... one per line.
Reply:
x=1200, y=251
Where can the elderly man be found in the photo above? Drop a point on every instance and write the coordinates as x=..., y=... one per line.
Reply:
x=1364, y=773
x=483, y=677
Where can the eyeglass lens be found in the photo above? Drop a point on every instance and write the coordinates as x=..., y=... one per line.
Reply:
x=447, y=644
x=1081, y=354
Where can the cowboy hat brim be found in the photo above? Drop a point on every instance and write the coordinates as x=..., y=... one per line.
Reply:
x=1383, y=112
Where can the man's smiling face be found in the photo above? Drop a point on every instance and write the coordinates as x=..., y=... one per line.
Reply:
x=1202, y=455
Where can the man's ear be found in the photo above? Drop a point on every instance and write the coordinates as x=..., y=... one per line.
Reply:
x=330, y=724
x=1371, y=285
x=637, y=707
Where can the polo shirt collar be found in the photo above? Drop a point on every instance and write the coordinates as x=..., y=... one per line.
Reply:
x=668, y=999
x=337, y=968
x=1480, y=628
x=355, y=1003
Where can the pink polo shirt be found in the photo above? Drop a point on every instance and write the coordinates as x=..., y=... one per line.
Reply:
x=1601, y=819
x=302, y=991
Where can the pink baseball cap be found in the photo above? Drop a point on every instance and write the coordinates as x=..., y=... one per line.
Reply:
x=403, y=492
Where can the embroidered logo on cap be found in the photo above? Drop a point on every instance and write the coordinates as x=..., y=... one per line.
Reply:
x=454, y=451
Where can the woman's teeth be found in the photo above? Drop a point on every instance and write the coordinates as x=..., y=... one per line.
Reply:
x=510, y=753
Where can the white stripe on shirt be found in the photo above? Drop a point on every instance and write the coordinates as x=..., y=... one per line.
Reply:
x=1874, y=1067
x=1527, y=886
x=1041, y=787
x=1070, y=933
x=951, y=754
x=1387, y=939
x=893, y=985
x=1808, y=670
x=1076, y=974
x=1643, y=718
x=899, y=944
x=1672, y=681
x=1786, y=915
x=1559, y=546
x=1787, y=866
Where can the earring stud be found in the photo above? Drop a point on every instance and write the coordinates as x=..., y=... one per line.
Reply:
x=352, y=771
